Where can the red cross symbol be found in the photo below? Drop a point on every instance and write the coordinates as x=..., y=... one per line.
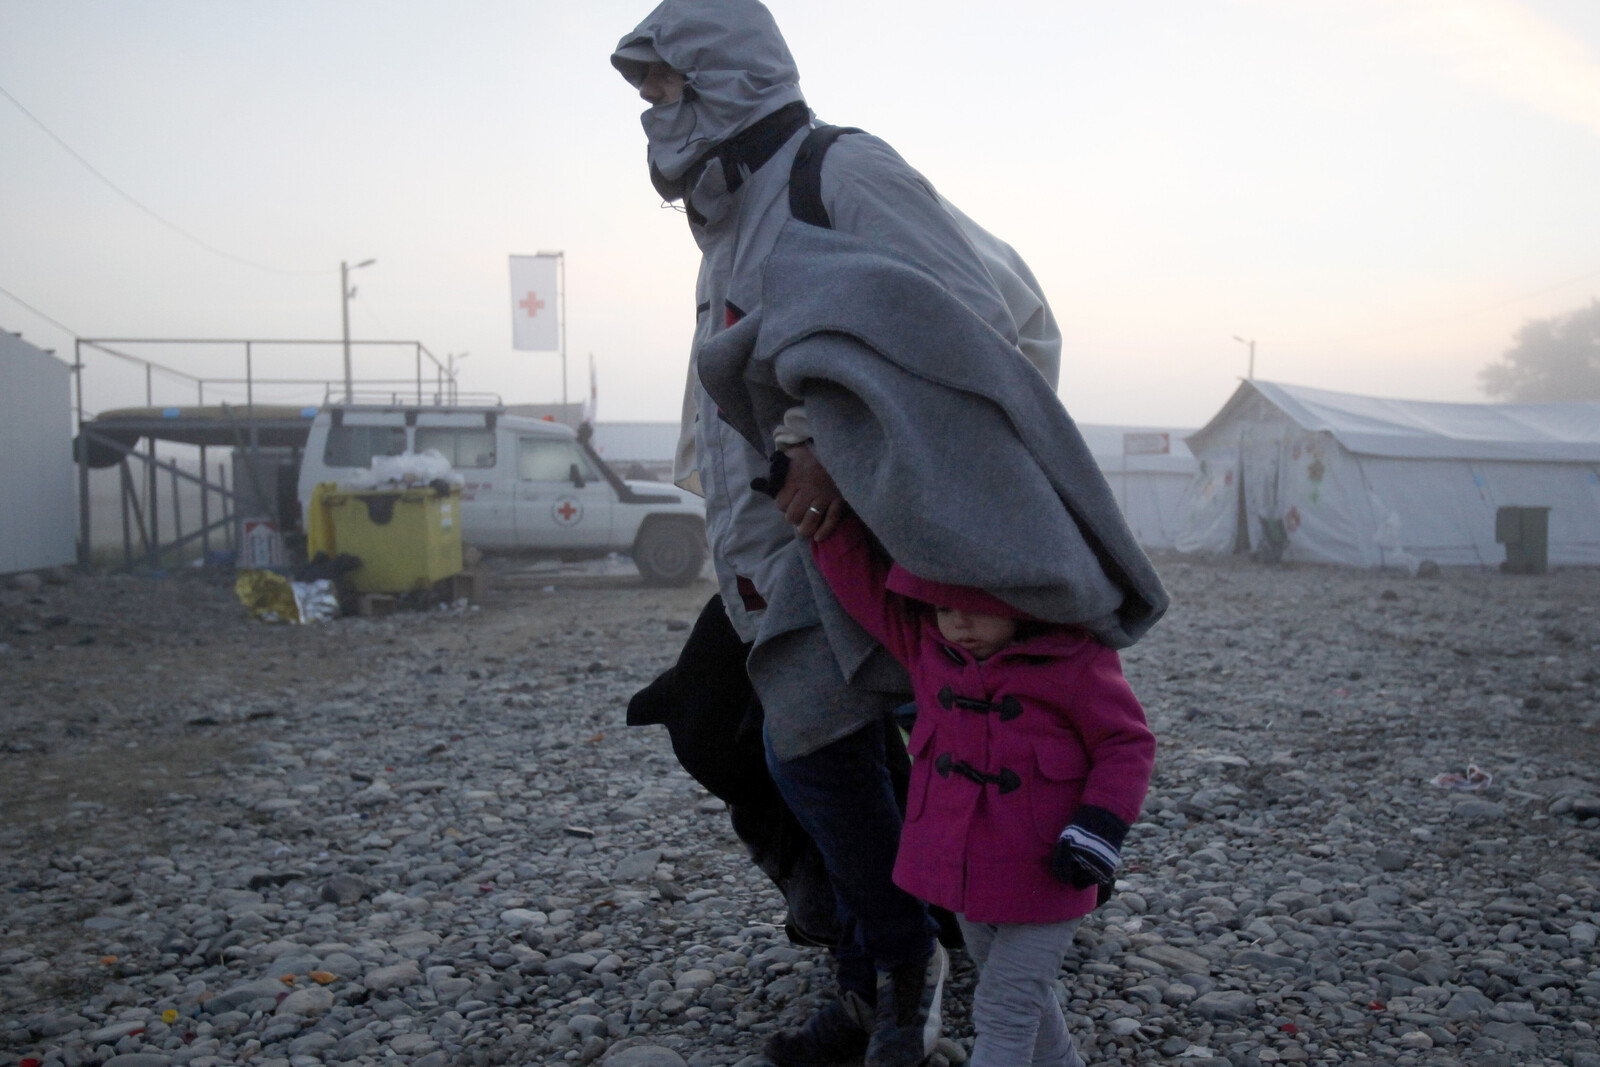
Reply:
x=566, y=510
x=532, y=303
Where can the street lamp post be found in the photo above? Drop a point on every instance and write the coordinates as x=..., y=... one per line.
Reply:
x=345, y=293
x=450, y=372
x=1251, y=376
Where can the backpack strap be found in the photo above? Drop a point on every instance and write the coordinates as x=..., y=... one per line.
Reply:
x=805, y=177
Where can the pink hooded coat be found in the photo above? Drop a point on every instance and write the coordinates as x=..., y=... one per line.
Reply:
x=1052, y=710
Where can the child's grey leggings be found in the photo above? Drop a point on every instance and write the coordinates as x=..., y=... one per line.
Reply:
x=1014, y=1010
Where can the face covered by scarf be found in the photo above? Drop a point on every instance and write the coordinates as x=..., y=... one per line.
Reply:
x=737, y=69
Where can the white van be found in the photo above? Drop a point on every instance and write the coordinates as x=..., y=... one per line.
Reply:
x=530, y=486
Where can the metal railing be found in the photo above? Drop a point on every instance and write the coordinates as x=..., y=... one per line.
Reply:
x=393, y=398
x=146, y=519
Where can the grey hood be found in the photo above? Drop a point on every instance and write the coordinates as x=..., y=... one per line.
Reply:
x=735, y=62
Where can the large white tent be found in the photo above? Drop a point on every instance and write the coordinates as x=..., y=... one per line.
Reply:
x=1336, y=478
x=1148, y=468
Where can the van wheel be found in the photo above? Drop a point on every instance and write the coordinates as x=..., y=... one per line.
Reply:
x=670, y=553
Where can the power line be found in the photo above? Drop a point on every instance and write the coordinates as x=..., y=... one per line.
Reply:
x=70, y=332
x=174, y=227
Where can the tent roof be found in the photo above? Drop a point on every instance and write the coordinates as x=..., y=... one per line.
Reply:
x=1423, y=429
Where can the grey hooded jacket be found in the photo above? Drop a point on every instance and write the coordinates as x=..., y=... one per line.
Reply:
x=738, y=72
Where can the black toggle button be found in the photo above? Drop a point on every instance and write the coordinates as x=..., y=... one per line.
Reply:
x=1008, y=707
x=1008, y=779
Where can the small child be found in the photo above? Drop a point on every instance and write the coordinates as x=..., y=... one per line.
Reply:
x=1031, y=757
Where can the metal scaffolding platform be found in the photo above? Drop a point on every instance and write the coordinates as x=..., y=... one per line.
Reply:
x=265, y=439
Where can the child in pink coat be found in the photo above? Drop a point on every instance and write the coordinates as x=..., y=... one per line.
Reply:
x=1031, y=758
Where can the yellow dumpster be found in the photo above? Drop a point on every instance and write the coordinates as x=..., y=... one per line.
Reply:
x=406, y=539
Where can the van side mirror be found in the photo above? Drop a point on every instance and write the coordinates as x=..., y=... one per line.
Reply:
x=576, y=475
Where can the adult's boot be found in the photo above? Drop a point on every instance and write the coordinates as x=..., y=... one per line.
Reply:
x=836, y=1034
x=906, y=1027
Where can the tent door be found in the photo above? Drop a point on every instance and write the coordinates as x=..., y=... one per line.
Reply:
x=1258, y=525
x=1241, y=521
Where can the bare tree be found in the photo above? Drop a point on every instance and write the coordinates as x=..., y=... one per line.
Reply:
x=1553, y=359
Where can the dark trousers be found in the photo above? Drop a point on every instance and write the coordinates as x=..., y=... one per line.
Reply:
x=844, y=796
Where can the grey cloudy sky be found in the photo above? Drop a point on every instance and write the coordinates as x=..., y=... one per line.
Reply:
x=1378, y=191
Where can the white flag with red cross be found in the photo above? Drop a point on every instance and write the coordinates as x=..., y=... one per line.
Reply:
x=535, y=324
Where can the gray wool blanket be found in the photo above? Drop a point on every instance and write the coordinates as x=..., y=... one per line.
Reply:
x=953, y=450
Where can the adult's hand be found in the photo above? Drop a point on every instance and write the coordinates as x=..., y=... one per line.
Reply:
x=809, y=499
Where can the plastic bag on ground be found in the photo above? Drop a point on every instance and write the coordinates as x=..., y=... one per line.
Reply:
x=316, y=601
x=1475, y=780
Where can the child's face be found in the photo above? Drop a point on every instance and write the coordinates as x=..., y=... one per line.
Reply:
x=981, y=635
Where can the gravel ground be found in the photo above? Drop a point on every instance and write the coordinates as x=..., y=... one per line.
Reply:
x=428, y=839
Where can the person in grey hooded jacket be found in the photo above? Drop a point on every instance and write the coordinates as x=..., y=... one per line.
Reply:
x=726, y=121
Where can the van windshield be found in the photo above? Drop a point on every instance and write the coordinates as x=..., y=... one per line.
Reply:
x=354, y=446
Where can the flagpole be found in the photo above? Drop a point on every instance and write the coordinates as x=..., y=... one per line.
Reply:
x=563, y=263
x=594, y=394
x=561, y=284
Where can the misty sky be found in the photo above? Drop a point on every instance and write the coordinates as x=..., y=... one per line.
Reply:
x=1378, y=191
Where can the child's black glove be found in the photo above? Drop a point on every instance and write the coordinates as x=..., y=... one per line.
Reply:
x=1088, y=850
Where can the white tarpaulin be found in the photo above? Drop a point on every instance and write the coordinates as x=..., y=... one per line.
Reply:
x=1421, y=429
x=1336, y=478
x=535, y=323
x=39, y=522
